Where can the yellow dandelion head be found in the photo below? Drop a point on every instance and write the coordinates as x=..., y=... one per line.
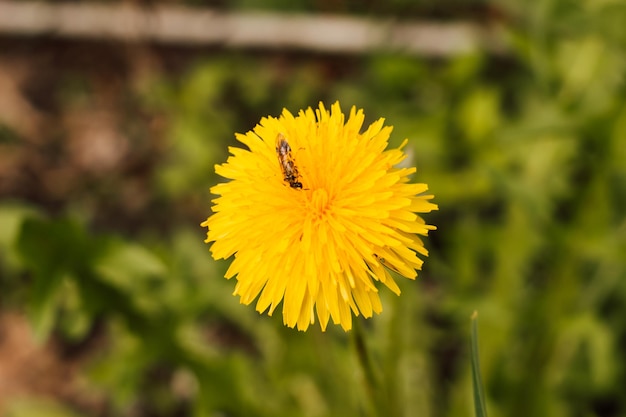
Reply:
x=315, y=212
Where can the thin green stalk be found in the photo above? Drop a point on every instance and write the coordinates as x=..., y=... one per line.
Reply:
x=372, y=382
x=477, y=383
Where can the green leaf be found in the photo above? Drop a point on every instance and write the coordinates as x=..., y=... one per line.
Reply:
x=30, y=407
x=133, y=271
x=51, y=250
x=129, y=266
x=11, y=218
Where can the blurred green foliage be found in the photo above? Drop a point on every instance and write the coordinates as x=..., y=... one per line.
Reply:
x=526, y=155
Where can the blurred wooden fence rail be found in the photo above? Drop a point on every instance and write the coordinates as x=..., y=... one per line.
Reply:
x=263, y=30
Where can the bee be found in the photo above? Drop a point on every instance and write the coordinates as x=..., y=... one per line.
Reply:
x=287, y=163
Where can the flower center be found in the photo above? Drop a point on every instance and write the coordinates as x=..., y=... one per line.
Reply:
x=319, y=204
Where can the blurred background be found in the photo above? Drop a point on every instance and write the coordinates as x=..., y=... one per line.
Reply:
x=113, y=114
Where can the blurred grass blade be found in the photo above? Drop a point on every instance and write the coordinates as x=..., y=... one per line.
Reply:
x=477, y=383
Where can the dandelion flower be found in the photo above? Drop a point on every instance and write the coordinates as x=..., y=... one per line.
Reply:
x=316, y=213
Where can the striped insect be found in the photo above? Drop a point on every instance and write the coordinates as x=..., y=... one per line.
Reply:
x=387, y=265
x=287, y=163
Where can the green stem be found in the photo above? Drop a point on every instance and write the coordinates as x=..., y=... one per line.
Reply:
x=372, y=383
x=479, y=396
